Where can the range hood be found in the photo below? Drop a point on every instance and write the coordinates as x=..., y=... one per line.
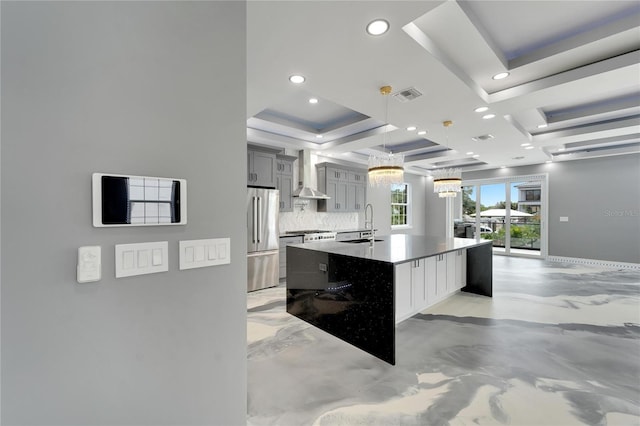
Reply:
x=304, y=175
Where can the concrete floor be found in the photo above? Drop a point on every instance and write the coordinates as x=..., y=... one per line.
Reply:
x=557, y=345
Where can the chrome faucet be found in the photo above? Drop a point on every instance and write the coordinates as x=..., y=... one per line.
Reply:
x=368, y=223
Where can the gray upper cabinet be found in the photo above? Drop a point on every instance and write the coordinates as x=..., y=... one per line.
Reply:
x=284, y=181
x=345, y=186
x=261, y=168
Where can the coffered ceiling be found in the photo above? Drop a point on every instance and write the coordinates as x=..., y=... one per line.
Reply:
x=574, y=67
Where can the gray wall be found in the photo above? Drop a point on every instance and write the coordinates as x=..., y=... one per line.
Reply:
x=145, y=88
x=601, y=197
x=380, y=197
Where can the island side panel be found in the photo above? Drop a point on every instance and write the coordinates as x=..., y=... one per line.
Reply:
x=348, y=297
x=480, y=270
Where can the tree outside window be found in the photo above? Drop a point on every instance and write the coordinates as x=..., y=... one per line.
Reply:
x=400, y=205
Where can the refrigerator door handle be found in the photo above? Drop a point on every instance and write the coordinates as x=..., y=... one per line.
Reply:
x=259, y=217
x=254, y=209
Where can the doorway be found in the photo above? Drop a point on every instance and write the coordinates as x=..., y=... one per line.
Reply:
x=511, y=212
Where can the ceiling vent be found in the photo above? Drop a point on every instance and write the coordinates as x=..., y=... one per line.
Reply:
x=486, y=137
x=407, y=95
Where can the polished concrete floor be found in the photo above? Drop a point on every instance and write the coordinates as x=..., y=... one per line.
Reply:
x=557, y=345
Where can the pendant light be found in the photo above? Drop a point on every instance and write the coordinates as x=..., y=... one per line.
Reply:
x=447, y=182
x=385, y=168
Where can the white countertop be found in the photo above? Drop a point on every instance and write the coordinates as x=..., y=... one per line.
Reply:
x=396, y=248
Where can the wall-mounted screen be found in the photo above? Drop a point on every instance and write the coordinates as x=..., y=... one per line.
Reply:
x=123, y=200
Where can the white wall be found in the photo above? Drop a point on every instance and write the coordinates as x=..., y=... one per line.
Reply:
x=601, y=198
x=436, y=212
x=149, y=88
x=380, y=199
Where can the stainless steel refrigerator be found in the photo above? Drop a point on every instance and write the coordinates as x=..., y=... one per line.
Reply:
x=262, y=238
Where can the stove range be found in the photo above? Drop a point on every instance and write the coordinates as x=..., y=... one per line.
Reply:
x=315, y=235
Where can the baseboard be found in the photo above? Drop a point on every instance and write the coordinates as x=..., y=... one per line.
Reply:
x=594, y=262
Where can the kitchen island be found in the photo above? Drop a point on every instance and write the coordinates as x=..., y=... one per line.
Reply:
x=358, y=292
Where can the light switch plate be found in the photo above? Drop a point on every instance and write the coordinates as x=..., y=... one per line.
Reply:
x=141, y=258
x=89, y=267
x=564, y=218
x=203, y=253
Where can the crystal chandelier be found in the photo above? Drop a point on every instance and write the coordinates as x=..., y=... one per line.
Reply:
x=447, y=182
x=385, y=168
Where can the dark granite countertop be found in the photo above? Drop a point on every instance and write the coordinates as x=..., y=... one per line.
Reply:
x=396, y=248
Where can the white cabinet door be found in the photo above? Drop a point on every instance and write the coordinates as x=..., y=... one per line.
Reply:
x=461, y=269
x=404, y=291
x=419, y=284
x=451, y=271
x=430, y=278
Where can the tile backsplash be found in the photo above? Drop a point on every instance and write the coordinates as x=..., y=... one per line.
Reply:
x=309, y=219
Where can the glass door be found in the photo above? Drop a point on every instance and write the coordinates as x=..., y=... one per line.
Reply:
x=509, y=211
x=525, y=222
x=464, y=221
x=491, y=220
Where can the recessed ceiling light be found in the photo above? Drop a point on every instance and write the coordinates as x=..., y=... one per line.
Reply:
x=422, y=132
x=377, y=27
x=525, y=144
x=549, y=161
x=411, y=128
x=297, y=79
x=488, y=116
x=529, y=147
x=500, y=75
x=542, y=126
x=470, y=153
x=313, y=100
x=476, y=155
x=481, y=109
x=561, y=149
x=503, y=167
x=319, y=136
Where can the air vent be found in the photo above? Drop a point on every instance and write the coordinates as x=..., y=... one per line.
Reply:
x=486, y=137
x=407, y=95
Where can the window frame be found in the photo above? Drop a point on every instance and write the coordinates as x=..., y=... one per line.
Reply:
x=408, y=206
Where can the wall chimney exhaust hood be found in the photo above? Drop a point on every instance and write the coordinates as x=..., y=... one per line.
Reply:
x=304, y=175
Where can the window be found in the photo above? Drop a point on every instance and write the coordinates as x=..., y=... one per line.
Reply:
x=532, y=195
x=400, y=205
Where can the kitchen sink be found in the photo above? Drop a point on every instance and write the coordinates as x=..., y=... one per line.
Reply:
x=361, y=240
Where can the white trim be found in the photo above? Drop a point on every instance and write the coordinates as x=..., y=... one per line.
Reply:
x=467, y=182
x=594, y=262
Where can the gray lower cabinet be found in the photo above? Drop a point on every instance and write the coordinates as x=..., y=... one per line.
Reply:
x=283, y=252
x=346, y=187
